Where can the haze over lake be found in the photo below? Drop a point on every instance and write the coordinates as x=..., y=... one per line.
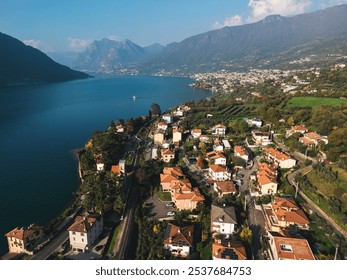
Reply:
x=41, y=126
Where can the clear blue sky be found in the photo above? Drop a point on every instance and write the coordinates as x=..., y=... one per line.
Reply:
x=62, y=25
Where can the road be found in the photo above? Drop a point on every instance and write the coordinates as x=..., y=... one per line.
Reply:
x=53, y=245
x=313, y=206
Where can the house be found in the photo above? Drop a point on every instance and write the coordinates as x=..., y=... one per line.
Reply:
x=253, y=122
x=226, y=144
x=167, y=118
x=217, y=146
x=162, y=125
x=176, y=135
x=169, y=174
x=313, y=138
x=216, y=157
x=219, y=130
x=223, y=220
x=119, y=168
x=267, y=179
x=219, y=172
x=240, y=151
x=186, y=199
x=204, y=138
x=261, y=138
x=120, y=128
x=24, y=240
x=182, y=193
x=289, y=248
x=196, y=133
x=159, y=136
x=179, y=240
x=167, y=155
x=224, y=188
x=296, y=129
x=283, y=213
x=280, y=159
x=100, y=166
x=227, y=250
x=85, y=231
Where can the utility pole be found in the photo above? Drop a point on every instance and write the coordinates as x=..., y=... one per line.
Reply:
x=296, y=188
x=336, y=250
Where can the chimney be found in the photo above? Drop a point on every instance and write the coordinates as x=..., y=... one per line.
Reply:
x=189, y=233
x=229, y=244
x=179, y=231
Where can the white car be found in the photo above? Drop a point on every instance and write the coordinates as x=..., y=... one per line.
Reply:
x=171, y=213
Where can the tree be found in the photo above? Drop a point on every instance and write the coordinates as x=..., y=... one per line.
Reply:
x=155, y=109
x=246, y=234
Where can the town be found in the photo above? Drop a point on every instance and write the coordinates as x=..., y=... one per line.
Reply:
x=252, y=172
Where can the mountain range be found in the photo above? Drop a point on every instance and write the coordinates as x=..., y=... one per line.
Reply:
x=305, y=40
x=21, y=64
x=108, y=56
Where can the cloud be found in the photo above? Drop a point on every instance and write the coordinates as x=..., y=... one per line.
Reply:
x=38, y=44
x=114, y=37
x=329, y=3
x=259, y=9
x=229, y=21
x=77, y=44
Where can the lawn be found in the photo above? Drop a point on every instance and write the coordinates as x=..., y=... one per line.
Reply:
x=315, y=101
x=164, y=196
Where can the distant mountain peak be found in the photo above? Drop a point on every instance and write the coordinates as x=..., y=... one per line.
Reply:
x=272, y=18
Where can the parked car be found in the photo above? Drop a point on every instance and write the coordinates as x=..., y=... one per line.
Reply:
x=170, y=204
x=171, y=213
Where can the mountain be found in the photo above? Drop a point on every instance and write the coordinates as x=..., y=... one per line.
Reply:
x=275, y=41
x=21, y=64
x=108, y=56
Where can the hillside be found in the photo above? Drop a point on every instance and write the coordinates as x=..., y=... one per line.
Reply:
x=21, y=64
x=275, y=41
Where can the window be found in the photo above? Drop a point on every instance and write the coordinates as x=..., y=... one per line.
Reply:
x=286, y=248
x=74, y=232
x=82, y=239
x=82, y=234
x=74, y=239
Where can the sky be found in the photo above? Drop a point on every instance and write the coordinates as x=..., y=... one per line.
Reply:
x=71, y=25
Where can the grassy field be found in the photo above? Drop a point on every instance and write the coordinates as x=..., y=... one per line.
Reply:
x=315, y=101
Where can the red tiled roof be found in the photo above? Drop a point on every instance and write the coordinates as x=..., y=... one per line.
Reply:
x=180, y=234
x=277, y=154
x=217, y=168
x=226, y=186
x=240, y=150
x=84, y=223
x=237, y=248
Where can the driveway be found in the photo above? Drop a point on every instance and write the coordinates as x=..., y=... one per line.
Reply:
x=156, y=209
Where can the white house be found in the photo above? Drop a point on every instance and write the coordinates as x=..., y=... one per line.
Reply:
x=219, y=173
x=288, y=248
x=219, y=130
x=267, y=179
x=120, y=128
x=240, y=151
x=85, y=231
x=196, y=133
x=223, y=220
x=179, y=240
x=226, y=144
x=261, y=138
x=253, y=122
x=312, y=138
x=167, y=118
x=100, y=166
x=217, y=157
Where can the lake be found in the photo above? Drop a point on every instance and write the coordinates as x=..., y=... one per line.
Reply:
x=41, y=127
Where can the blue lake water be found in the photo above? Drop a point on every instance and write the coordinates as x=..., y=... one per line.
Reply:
x=41, y=126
